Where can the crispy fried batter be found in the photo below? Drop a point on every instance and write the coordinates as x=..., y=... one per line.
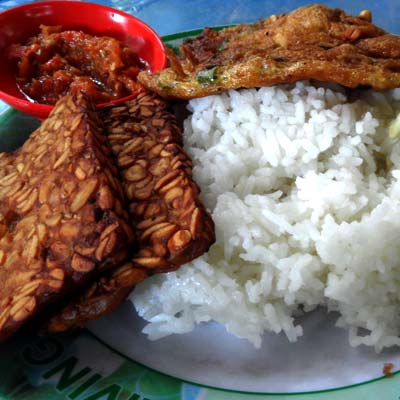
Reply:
x=171, y=223
x=313, y=42
x=61, y=217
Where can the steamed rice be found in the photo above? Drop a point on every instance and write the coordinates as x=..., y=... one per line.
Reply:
x=304, y=189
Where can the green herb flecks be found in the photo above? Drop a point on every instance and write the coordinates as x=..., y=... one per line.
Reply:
x=207, y=76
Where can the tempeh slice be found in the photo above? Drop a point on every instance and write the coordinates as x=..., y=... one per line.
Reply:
x=62, y=219
x=171, y=223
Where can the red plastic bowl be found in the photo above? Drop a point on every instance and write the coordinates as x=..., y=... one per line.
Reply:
x=20, y=23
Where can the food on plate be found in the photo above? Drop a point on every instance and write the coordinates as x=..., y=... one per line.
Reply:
x=170, y=222
x=61, y=211
x=387, y=369
x=101, y=297
x=312, y=42
x=57, y=61
x=302, y=179
x=91, y=206
x=303, y=184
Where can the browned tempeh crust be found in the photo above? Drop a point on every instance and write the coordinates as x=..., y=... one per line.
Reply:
x=62, y=220
x=171, y=223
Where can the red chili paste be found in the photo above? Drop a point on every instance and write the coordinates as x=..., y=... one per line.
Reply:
x=56, y=61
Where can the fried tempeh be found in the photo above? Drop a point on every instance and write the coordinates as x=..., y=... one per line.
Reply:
x=62, y=220
x=312, y=42
x=171, y=223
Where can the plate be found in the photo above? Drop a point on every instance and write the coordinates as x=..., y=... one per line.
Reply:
x=113, y=360
x=321, y=361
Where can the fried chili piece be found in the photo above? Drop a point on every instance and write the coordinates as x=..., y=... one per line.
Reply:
x=62, y=219
x=171, y=223
x=312, y=42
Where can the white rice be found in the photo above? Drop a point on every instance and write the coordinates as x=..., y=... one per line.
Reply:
x=304, y=189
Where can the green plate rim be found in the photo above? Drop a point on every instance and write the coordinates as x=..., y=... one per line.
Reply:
x=215, y=388
x=7, y=114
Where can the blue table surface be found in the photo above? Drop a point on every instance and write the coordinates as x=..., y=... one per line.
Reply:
x=171, y=16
